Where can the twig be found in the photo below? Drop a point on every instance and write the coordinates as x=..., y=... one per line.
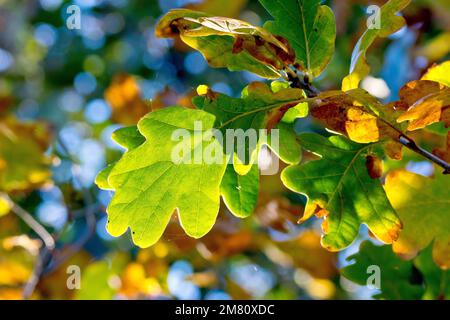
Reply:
x=297, y=82
x=46, y=252
x=410, y=144
x=46, y=237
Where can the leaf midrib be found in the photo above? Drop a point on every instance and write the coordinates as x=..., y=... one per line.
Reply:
x=308, y=58
x=341, y=181
x=269, y=107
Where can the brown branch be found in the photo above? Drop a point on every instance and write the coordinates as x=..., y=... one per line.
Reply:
x=411, y=145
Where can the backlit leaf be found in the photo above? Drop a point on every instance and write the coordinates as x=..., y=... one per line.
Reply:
x=399, y=279
x=339, y=188
x=395, y=274
x=427, y=101
x=149, y=185
x=423, y=205
x=437, y=281
x=439, y=73
x=226, y=42
x=240, y=193
x=309, y=27
x=259, y=108
x=356, y=114
x=390, y=22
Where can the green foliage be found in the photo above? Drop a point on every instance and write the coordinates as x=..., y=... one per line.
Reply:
x=396, y=275
x=259, y=108
x=240, y=193
x=146, y=177
x=309, y=27
x=390, y=22
x=339, y=187
x=177, y=165
x=226, y=42
x=399, y=279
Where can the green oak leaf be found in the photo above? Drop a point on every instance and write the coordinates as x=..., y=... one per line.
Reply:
x=390, y=22
x=226, y=42
x=309, y=27
x=128, y=137
x=288, y=149
x=240, y=193
x=150, y=184
x=338, y=186
x=396, y=275
x=259, y=108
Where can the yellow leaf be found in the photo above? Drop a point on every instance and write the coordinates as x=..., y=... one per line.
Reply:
x=423, y=205
x=428, y=102
x=5, y=206
x=23, y=164
x=390, y=23
x=439, y=73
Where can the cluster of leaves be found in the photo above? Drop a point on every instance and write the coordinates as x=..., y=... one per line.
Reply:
x=349, y=179
x=343, y=187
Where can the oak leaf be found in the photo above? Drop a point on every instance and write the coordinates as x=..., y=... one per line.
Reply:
x=309, y=27
x=423, y=205
x=149, y=185
x=227, y=42
x=339, y=188
x=390, y=23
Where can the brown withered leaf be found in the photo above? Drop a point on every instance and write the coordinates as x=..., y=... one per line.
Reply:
x=357, y=114
x=124, y=96
x=361, y=117
x=427, y=101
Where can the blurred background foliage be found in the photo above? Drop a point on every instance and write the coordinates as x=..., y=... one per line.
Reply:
x=63, y=92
